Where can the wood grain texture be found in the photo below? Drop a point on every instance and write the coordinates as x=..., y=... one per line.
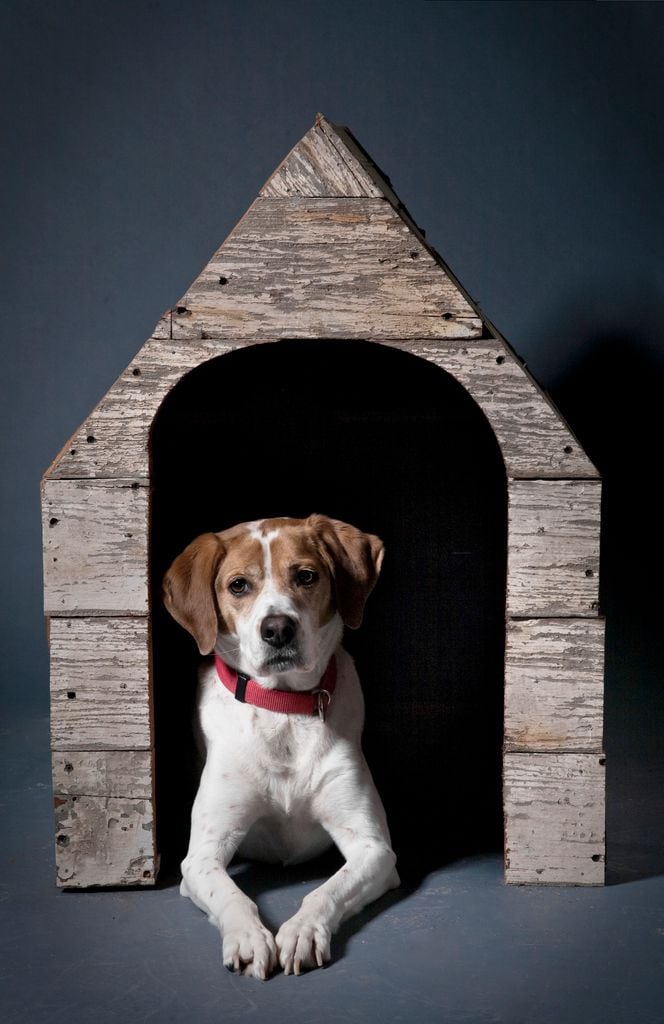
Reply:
x=100, y=688
x=533, y=437
x=320, y=166
x=344, y=140
x=323, y=268
x=554, y=671
x=116, y=773
x=104, y=841
x=120, y=424
x=329, y=162
x=95, y=547
x=553, y=548
x=554, y=819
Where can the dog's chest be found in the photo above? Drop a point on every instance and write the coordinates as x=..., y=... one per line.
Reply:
x=278, y=742
x=287, y=769
x=275, y=752
x=286, y=752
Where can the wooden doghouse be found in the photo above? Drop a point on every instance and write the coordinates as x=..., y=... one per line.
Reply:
x=327, y=252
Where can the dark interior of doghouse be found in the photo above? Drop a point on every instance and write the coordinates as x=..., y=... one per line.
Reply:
x=393, y=444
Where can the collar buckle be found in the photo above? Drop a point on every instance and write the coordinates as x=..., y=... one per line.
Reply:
x=323, y=701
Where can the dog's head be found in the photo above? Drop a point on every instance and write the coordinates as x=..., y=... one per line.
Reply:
x=272, y=594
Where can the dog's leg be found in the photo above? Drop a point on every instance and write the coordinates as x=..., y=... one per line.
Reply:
x=218, y=827
x=351, y=812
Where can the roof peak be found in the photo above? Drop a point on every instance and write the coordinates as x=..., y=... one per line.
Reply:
x=326, y=163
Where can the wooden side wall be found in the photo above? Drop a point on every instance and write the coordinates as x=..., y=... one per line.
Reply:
x=101, y=737
x=554, y=818
x=96, y=600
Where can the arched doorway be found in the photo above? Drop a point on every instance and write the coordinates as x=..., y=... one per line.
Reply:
x=392, y=443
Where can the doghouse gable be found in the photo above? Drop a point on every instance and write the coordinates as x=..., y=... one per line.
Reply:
x=326, y=251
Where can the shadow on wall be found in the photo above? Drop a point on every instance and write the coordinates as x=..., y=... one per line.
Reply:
x=613, y=394
x=391, y=443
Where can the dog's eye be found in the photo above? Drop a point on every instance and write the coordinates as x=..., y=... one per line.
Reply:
x=239, y=586
x=305, y=577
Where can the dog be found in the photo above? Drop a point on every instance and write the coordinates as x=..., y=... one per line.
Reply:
x=280, y=711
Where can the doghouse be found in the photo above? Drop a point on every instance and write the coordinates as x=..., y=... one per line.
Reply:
x=325, y=264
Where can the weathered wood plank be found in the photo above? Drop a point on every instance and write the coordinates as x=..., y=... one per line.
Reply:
x=554, y=819
x=342, y=169
x=116, y=773
x=319, y=166
x=333, y=268
x=533, y=437
x=345, y=142
x=104, y=841
x=329, y=162
x=120, y=424
x=100, y=689
x=553, y=548
x=95, y=547
x=554, y=684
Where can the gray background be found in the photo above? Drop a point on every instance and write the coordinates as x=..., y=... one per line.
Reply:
x=528, y=140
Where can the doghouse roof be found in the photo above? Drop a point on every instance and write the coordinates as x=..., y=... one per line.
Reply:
x=327, y=250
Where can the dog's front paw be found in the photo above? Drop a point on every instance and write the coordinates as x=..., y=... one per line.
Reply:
x=303, y=942
x=249, y=949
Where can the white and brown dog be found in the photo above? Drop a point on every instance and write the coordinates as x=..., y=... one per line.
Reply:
x=281, y=712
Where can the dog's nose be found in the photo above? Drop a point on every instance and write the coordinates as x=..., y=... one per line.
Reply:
x=277, y=630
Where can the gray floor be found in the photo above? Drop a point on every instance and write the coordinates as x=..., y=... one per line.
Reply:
x=462, y=947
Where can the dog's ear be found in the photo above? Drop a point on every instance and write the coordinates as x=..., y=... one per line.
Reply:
x=355, y=559
x=189, y=589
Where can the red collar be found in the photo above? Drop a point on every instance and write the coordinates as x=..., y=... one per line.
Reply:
x=290, y=702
